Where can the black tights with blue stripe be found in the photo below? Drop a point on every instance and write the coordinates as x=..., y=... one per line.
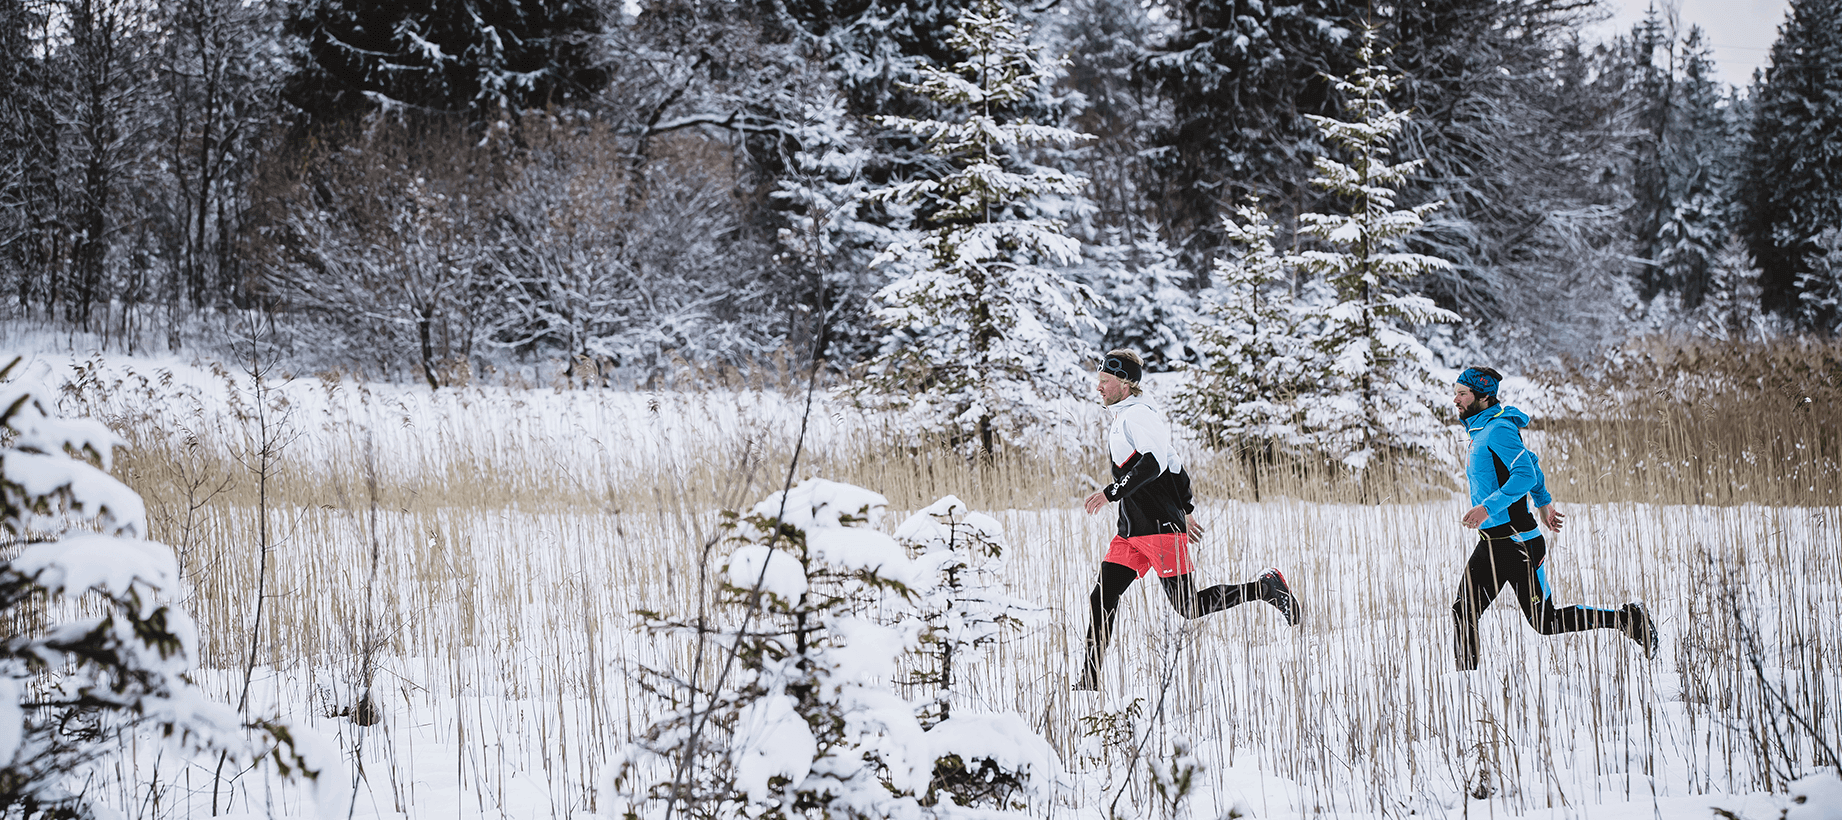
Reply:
x=1501, y=559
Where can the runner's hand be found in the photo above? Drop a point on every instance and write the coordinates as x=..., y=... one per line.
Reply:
x=1195, y=529
x=1475, y=518
x=1552, y=517
x=1095, y=502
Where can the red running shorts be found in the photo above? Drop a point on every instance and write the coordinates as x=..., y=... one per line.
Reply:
x=1168, y=553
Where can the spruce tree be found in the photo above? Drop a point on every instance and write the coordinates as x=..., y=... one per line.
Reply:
x=1819, y=285
x=797, y=722
x=982, y=331
x=1376, y=392
x=1730, y=310
x=1253, y=346
x=959, y=596
x=1144, y=291
x=1652, y=78
x=1331, y=369
x=1238, y=74
x=1698, y=161
x=1793, y=189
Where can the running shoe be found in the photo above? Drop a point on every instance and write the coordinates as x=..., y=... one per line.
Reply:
x=1639, y=628
x=1273, y=590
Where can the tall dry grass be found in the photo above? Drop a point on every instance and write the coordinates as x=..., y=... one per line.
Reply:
x=518, y=530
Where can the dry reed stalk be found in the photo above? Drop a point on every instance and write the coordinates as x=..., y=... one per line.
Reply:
x=513, y=554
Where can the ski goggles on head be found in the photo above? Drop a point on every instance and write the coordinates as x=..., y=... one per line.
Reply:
x=1123, y=368
x=1481, y=383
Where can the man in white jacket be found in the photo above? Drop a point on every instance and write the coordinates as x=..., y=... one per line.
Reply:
x=1156, y=523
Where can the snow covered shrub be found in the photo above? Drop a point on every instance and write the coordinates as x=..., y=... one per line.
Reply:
x=800, y=724
x=798, y=718
x=1174, y=778
x=70, y=690
x=982, y=759
x=1108, y=736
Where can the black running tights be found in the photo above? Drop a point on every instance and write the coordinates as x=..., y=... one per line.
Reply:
x=1180, y=590
x=1499, y=561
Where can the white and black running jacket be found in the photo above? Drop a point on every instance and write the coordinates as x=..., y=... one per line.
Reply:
x=1149, y=483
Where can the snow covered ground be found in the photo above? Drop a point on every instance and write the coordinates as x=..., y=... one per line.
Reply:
x=501, y=636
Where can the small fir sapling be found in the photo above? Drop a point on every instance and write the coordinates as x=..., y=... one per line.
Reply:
x=800, y=721
x=801, y=718
x=72, y=691
x=961, y=602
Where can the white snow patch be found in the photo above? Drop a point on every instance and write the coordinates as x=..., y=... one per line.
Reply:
x=778, y=573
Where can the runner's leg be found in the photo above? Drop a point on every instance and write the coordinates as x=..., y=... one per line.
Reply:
x=1181, y=590
x=1103, y=605
x=1476, y=590
x=1537, y=598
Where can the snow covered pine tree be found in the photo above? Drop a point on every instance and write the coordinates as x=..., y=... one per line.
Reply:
x=1254, y=346
x=1374, y=392
x=1328, y=370
x=982, y=333
x=804, y=724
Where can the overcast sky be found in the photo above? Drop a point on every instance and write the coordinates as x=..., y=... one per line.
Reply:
x=1741, y=31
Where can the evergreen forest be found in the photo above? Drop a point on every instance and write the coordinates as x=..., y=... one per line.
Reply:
x=446, y=191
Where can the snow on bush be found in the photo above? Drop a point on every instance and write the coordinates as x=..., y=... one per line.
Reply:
x=71, y=691
x=800, y=717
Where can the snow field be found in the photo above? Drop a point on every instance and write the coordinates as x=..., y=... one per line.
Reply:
x=503, y=687
x=516, y=533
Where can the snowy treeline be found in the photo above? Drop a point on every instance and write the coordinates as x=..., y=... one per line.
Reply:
x=429, y=188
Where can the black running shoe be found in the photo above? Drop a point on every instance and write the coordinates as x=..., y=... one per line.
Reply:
x=1273, y=590
x=1639, y=628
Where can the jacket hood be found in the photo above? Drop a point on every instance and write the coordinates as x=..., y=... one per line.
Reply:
x=1501, y=412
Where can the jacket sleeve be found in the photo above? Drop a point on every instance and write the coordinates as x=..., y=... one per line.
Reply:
x=1539, y=493
x=1140, y=469
x=1189, y=500
x=1506, y=444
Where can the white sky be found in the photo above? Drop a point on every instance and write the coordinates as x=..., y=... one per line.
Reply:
x=1741, y=31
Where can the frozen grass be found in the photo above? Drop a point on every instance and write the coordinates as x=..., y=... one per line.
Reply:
x=516, y=531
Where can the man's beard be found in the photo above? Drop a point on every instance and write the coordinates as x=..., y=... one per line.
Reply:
x=1473, y=409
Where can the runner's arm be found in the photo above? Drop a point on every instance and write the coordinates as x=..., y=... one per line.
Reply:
x=1141, y=468
x=1506, y=444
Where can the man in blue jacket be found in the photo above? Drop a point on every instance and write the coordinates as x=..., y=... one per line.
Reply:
x=1505, y=479
x=1155, y=524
